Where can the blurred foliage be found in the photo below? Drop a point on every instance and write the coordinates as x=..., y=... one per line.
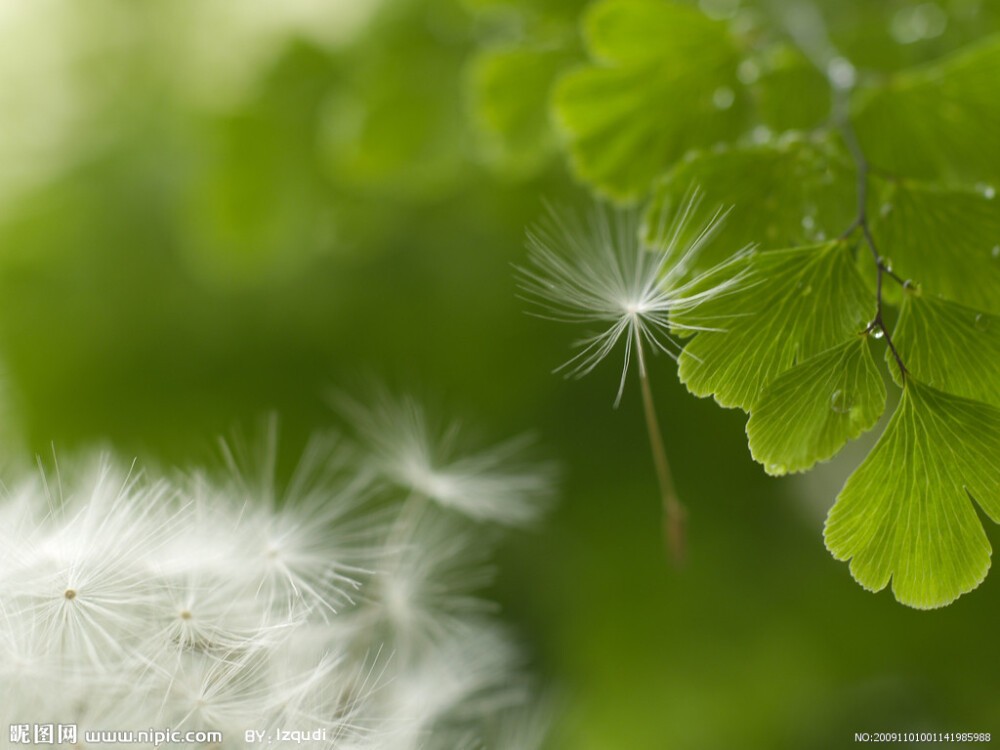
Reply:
x=779, y=194
x=663, y=80
x=211, y=209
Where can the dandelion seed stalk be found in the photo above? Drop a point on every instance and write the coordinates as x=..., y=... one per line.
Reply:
x=674, y=512
x=601, y=273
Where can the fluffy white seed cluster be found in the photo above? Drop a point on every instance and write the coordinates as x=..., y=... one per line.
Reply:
x=341, y=602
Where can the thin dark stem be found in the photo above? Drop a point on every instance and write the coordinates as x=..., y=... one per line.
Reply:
x=807, y=28
x=861, y=220
x=674, y=514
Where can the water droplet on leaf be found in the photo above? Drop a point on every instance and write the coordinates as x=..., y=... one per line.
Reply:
x=841, y=402
x=776, y=470
x=877, y=333
x=982, y=322
x=995, y=252
x=885, y=210
x=805, y=289
x=808, y=223
x=987, y=191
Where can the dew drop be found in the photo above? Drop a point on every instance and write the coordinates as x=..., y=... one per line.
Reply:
x=841, y=73
x=776, y=470
x=723, y=97
x=982, y=322
x=987, y=191
x=885, y=210
x=808, y=223
x=841, y=402
x=995, y=252
x=805, y=289
x=877, y=333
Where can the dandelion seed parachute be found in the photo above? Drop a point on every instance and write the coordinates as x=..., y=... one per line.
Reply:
x=494, y=485
x=597, y=271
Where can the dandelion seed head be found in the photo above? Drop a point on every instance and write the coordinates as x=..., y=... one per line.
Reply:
x=598, y=272
x=424, y=590
x=241, y=598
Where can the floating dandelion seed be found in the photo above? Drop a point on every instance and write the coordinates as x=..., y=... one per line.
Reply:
x=599, y=272
x=494, y=484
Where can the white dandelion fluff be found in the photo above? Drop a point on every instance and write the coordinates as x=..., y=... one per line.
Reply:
x=597, y=271
x=335, y=601
x=494, y=484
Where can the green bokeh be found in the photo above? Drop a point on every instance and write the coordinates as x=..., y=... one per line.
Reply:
x=180, y=264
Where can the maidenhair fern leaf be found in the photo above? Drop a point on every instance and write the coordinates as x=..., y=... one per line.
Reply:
x=794, y=304
x=939, y=121
x=783, y=194
x=952, y=347
x=907, y=514
x=948, y=239
x=788, y=90
x=663, y=81
x=509, y=90
x=808, y=412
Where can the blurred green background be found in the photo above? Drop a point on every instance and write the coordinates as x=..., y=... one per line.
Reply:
x=211, y=209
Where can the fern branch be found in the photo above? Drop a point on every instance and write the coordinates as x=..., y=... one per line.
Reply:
x=806, y=26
